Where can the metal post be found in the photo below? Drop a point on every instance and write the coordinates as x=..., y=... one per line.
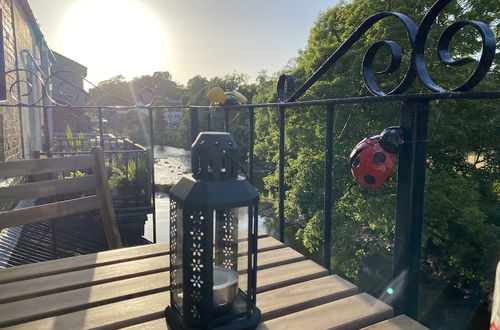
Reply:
x=253, y=246
x=101, y=131
x=327, y=202
x=209, y=120
x=195, y=128
x=46, y=132
x=226, y=119
x=251, y=142
x=153, y=190
x=281, y=204
x=409, y=206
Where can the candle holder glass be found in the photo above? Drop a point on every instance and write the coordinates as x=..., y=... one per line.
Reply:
x=213, y=241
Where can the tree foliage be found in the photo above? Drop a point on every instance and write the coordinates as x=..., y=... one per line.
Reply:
x=460, y=239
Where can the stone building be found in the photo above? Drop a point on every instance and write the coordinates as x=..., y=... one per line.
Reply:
x=24, y=48
x=29, y=62
x=68, y=88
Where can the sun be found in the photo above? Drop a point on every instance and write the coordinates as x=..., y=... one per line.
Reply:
x=113, y=37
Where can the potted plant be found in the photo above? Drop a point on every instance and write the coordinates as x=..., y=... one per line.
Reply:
x=129, y=179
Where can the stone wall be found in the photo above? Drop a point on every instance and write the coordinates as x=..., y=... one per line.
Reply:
x=20, y=128
x=10, y=123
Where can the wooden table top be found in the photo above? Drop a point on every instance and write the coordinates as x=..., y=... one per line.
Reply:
x=128, y=288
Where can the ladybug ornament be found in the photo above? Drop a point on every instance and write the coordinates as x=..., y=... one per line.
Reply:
x=373, y=159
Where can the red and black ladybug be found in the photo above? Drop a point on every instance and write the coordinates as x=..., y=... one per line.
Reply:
x=373, y=159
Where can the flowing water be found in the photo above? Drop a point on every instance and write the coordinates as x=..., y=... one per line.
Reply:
x=170, y=165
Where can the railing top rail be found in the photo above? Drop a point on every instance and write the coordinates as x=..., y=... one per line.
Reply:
x=108, y=152
x=343, y=100
x=135, y=145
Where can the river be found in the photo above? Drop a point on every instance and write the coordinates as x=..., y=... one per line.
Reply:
x=170, y=165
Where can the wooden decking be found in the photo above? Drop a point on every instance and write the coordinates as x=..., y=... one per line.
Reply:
x=129, y=288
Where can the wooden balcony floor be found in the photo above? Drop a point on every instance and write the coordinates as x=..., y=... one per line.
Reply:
x=128, y=288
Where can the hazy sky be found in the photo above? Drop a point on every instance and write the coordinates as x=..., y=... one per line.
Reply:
x=184, y=37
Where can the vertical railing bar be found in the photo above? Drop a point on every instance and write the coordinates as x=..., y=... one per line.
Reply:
x=251, y=142
x=250, y=250
x=46, y=132
x=136, y=157
x=209, y=120
x=226, y=119
x=409, y=206
x=127, y=156
x=101, y=132
x=195, y=127
x=281, y=169
x=255, y=233
x=327, y=203
x=152, y=179
x=149, y=164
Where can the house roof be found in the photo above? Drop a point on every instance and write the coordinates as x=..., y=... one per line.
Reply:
x=69, y=63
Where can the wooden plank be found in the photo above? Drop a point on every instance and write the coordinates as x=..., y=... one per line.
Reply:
x=264, y=243
x=43, y=166
x=47, y=188
x=92, y=276
x=243, y=235
x=135, y=310
x=277, y=277
x=53, y=267
x=297, y=297
x=79, y=299
x=107, y=212
x=110, y=316
x=270, y=259
x=401, y=322
x=160, y=323
x=287, y=300
x=83, y=278
x=48, y=211
x=349, y=313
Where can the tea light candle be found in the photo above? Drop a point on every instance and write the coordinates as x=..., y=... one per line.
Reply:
x=225, y=287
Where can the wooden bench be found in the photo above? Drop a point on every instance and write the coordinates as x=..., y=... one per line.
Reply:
x=97, y=196
x=129, y=288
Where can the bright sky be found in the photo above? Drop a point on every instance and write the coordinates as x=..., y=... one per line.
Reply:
x=184, y=37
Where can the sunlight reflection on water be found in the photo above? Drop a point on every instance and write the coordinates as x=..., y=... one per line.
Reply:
x=170, y=165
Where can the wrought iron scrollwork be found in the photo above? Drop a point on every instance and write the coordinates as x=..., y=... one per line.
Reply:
x=27, y=82
x=487, y=53
x=417, y=66
x=61, y=91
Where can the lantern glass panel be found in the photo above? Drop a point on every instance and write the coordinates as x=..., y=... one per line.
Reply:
x=229, y=258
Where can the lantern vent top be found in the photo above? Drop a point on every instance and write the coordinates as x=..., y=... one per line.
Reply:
x=214, y=157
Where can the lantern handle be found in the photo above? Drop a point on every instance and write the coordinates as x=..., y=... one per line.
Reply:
x=224, y=152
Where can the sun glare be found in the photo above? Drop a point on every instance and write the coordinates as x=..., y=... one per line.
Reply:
x=114, y=37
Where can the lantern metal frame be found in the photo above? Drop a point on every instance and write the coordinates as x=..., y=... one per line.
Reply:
x=201, y=222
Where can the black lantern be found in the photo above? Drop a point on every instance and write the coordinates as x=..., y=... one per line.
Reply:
x=213, y=271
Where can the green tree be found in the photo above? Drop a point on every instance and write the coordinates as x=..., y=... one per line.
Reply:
x=460, y=244
x=158, y=89
x=196, y=94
